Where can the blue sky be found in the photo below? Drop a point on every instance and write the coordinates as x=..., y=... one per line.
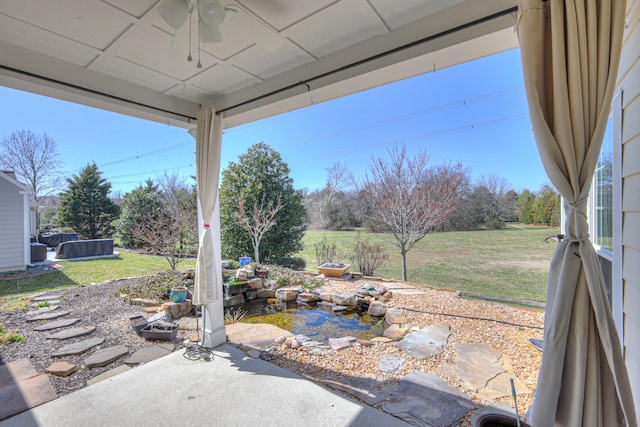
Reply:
x=474, y=113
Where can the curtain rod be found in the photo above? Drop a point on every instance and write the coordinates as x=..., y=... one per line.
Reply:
x=375, y=57
x=96, y=92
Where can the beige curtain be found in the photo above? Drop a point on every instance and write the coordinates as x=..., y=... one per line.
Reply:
x=570, y=54
x=208, y=281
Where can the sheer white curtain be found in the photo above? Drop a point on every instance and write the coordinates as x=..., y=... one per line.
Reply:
x=570, y=55
x=208, y=281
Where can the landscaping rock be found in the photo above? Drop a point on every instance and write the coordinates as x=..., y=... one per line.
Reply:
x=376, y=309
x=255, y=283
x=395, y=332
x=286, y=294
x=340, y=343
x=161, y=316
x=144, y=302
x=326, y=296
x=234, y=300
x=394, y=316
x=177, y=309
x=266, y=293
x=343, y=299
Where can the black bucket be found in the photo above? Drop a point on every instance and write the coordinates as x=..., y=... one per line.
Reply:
x=498, y=420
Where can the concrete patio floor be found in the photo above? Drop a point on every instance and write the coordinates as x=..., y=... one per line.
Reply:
x=232, y=390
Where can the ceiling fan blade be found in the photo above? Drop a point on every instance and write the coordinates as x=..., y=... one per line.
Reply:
x=174, y=12
x=209, y=33
x=211, y=12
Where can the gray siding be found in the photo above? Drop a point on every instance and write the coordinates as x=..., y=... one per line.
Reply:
x=629, y=83
x=13, y=240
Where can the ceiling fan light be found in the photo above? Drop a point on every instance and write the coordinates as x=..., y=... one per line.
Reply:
x=209, y=33
x=174, y=12
x=211, y=12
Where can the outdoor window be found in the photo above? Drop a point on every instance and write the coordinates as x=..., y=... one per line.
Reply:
x=603, y=193
x=602, y=208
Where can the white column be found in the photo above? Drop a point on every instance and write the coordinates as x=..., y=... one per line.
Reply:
x=214, y=332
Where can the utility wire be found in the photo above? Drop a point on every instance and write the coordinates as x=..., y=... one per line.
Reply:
x=431, y=110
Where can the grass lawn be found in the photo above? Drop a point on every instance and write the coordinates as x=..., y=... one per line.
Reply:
x=512, y=262
x=81, y=273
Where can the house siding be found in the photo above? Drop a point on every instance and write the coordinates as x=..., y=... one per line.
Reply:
x=629, y=84
x=14, y=241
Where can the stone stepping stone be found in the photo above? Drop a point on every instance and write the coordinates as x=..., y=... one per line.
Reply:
x=147, y=354
x=424, y=399
x=42, y=310
x=57, y=324
x=41, y=298
x=72, y=333
x=61, y=369
x=22, y=388
x=407, y=292
x=390, y=363
x=105, y=356
x=48, y=316
x=78, y=347
x=427, y=342
x=473, y=366
x=393, y=286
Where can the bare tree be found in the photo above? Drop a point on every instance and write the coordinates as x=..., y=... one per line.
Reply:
x=408, y=198
x=35, y=161
x=259, y=220
x=168, y=231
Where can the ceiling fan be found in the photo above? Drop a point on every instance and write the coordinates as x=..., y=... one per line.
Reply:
x=207, y=16
x=210, y=14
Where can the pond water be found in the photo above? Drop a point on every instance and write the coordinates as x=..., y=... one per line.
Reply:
x=316, y=322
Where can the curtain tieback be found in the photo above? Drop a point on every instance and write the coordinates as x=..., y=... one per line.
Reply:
x=576, y=240
x=206, y=225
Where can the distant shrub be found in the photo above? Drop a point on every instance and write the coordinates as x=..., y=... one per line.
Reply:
x=326, y=252
x=368, y=256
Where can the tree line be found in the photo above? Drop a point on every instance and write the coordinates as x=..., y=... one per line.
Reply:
x=263, y=215
x=488, y=203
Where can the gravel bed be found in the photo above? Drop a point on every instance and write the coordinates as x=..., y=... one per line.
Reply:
x=96, y=306
x=505, y=328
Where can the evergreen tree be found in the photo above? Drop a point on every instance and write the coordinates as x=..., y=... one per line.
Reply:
x=546, y=209
x=85, y=205
x=524, y=207
x=260, y=175
x=141, y=201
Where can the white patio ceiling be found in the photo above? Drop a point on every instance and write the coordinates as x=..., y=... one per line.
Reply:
x=276, y=55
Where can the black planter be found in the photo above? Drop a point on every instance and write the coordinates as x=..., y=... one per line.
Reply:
x=497, y=420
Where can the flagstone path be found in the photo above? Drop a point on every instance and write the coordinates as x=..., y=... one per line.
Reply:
x=22, y=388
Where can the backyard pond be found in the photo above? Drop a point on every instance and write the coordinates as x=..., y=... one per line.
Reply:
x=315, y=321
